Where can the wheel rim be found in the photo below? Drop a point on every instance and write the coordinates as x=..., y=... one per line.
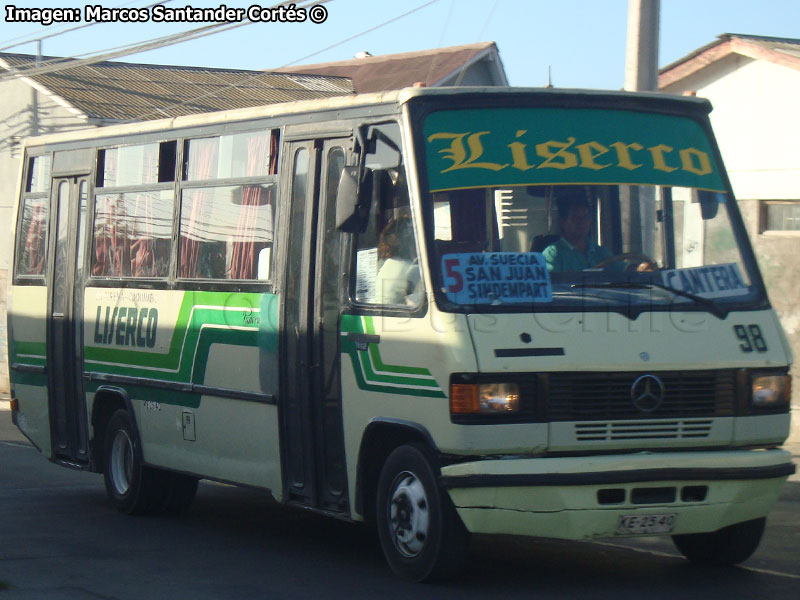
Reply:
x=121, y=463
x=409, y=514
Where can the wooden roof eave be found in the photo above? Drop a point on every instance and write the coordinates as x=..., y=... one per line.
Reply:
x=695, y=63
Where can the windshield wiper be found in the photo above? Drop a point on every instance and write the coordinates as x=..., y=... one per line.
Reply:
x=712, y=306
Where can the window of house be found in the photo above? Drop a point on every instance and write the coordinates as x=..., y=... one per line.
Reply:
x=780, y=215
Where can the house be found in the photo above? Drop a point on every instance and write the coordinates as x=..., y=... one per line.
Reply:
x=754, y=84
x=63, y=94
x=471, y=64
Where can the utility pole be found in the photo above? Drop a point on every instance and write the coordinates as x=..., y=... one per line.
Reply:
x=641, y=55
x=35, y=124
x=641, y=75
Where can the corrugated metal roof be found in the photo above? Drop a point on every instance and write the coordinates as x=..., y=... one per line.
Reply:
x=786, y=45
x=118, y=91
x=396, y=71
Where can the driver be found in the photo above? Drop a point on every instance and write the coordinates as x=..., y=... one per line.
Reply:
x=574, y=250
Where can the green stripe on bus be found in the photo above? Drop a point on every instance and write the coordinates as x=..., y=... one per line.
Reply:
x=32, y=379
x=364, y=361
x=32, y=351
x=374, y=377
x=379, y=364
x=201, y=321
x=349, y=348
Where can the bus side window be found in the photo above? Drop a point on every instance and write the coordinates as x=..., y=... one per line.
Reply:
x=387, y=268
x=133, y=227
x=226, y=231
x=32, y=233
x=32, y=247
x=132, y=234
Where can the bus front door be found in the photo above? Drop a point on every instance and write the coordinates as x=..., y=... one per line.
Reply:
x=312, y=437
x=68, y=420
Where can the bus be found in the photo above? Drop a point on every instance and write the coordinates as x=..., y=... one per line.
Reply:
x=439, y=311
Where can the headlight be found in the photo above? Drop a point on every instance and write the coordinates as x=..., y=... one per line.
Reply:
x=771, y=391
x=483, y=398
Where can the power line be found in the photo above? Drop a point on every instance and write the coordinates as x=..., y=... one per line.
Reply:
x=480, y=35
x=370, y=30
x=68, y=29
x=64, y=63
x=247, y=78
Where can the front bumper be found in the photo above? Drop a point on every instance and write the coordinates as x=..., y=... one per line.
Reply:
x=584, y=497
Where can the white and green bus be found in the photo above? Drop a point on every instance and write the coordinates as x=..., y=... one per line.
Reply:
x=443, y=311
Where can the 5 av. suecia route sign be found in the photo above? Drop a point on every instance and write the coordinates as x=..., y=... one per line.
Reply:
x=496, y=278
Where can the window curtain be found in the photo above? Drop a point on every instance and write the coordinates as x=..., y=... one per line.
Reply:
x=110, y=235
x=244, y=259
x=202, y=159
x=120, y=249
x=142, y=243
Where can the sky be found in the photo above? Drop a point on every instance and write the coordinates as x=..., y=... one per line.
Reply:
x=581, y=42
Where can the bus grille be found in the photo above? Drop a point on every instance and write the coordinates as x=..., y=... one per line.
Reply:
x=607, y=396
x=643, y=430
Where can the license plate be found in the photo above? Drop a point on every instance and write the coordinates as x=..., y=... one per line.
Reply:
x=644, y=524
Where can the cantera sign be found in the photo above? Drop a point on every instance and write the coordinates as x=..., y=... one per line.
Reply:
x=475, y=148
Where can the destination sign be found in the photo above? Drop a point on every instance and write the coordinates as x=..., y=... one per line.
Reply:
x=496, y=278
x=713, y=281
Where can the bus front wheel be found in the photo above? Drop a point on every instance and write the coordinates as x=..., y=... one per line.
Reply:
x=728, y=546
x=421, y=535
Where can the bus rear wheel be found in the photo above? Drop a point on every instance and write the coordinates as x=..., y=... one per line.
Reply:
x=420, y=533
x=728, y=546
x=134, y=488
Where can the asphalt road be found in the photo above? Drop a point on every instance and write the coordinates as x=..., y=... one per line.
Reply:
x=61, y=539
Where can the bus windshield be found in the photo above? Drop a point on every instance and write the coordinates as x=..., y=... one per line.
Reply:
x=569, y=209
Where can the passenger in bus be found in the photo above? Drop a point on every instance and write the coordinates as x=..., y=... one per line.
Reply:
x=574, y=250
x=398, y=269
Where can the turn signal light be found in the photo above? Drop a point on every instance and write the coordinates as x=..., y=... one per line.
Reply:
x=463, y=398
x=483, y=398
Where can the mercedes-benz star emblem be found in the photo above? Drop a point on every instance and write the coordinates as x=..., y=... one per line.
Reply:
x=647, y=393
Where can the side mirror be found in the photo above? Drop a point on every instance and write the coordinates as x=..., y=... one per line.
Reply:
x=383, y=152
x=351, y=215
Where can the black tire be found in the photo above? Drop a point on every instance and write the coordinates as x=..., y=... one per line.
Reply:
x=133, y=488
x=728, y=546
x=421, y=535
